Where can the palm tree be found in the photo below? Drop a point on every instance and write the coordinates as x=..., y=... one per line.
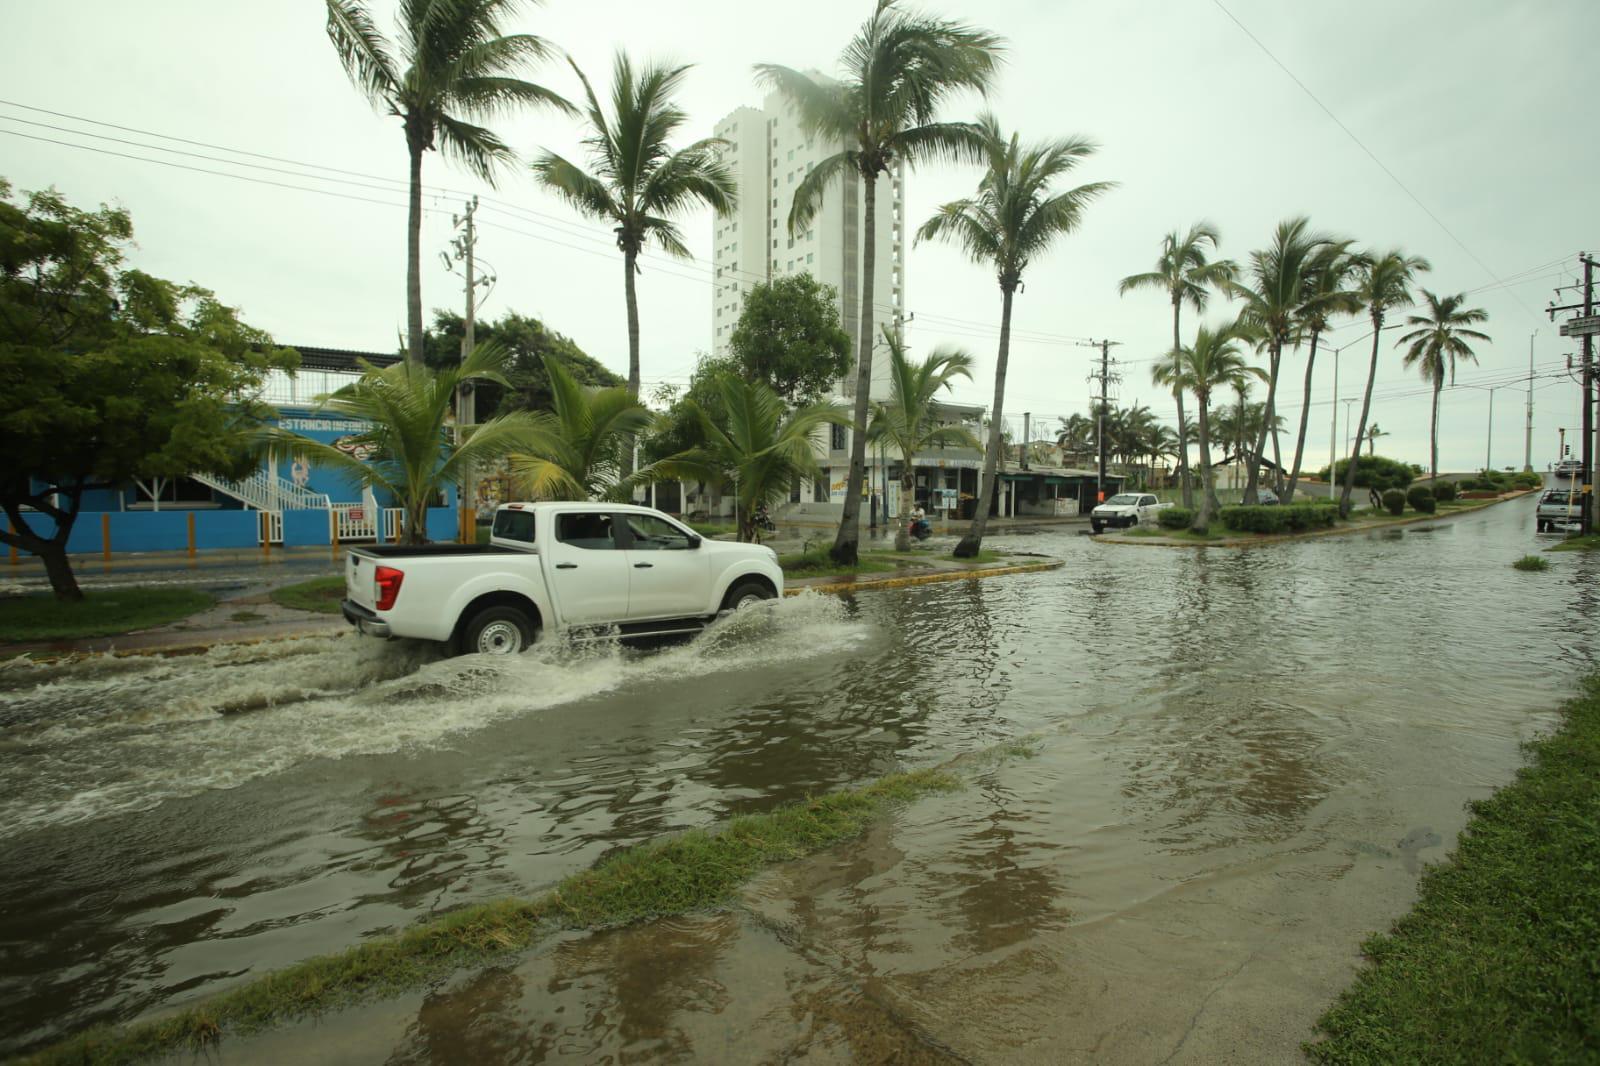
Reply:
x=1184, y=273
x=1441, y=342
x=578, y=451
x=1014, y=218
x=460, y=70
x=1216, y=360
x=1278, y=279
x=1373, y=433
x=1383, y=283
x=637, y=182
x=905, y=420
x=898, y=69
x=1076, y=436
x=411, y=456
x=1328, y=293
x=763, y=450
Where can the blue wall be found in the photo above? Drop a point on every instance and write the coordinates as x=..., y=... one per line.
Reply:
x=305, y=528
x=156, y=531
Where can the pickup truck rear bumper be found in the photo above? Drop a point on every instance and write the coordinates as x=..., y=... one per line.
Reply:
x=364, y=620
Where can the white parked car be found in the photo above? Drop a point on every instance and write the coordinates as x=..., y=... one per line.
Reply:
x=593, y=569
x=1125, y=509
x=1558, y=511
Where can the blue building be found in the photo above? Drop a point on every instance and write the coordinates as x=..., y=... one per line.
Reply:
x=286, y=502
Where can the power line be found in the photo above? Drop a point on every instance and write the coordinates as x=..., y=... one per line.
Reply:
x=1370, y=154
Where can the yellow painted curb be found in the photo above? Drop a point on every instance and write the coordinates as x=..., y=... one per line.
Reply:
x=925, y=579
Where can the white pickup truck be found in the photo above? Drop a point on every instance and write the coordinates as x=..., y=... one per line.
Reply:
x=1125, y=509
x=591, y=569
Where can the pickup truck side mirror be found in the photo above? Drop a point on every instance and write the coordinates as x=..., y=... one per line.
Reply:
x=694, y=540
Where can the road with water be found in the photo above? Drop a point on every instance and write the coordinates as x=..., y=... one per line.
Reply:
x=1243, y=758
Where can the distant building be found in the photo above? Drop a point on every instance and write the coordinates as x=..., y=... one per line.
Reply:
x=770, y=155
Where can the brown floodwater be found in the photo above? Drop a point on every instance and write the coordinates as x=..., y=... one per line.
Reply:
x=1242, y=759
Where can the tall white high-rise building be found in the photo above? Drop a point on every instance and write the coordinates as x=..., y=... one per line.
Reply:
x=770, y=154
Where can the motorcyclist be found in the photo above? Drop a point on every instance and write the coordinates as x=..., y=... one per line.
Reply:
x=919, y=523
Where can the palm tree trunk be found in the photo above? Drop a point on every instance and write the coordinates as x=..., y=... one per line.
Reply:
x=1305, y=418
x=973, y=541
x=1183, y=424
x=846, y=545
x=629, y=269
x=1208, y=477
x=416, y=522
x=414, y=260
x=902, y=538
x=1254, y=479
x=1438, y=383
x=1361, y=426
x=1277, y=456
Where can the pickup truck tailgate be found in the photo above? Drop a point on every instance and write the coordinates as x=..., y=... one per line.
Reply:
x=359, y=586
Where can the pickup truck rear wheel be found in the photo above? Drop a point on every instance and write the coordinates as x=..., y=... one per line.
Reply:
x=744, y=594
x=497, y=631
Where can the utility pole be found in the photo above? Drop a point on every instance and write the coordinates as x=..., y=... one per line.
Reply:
x=1105, y=377
x=1588, y=397
x=1527, y=440
x=464, y=247
x=1027, y=435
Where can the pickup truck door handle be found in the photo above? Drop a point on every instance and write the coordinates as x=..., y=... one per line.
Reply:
x=566, y=566
x=643, y=566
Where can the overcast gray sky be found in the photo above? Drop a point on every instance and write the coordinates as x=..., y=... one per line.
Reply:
x=1476, y=105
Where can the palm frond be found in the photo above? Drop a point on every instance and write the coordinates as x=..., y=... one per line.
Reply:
x=362, y=50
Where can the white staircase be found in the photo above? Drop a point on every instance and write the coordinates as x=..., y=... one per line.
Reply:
x=265, y=491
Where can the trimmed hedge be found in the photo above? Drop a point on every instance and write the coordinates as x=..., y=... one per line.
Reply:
x=1175, y=518
x=1394, y=501
x=1283, y=518
x=1421, y=499
x=1444, y=492
x=1375, y=472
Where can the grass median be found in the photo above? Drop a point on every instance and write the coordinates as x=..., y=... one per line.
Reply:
x=1499, y=961
x=689, y=872
x=320, y=594
x=105, y=613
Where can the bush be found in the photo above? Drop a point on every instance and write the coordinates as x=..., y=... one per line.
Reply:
x=1444, y=492
x=1527, y=480
x=1376, y=472
x=1394, y=501
x=1421, y=499
x=1175, y=518
x=1289, y=518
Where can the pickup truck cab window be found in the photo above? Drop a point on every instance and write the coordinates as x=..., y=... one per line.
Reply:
x=591, y=530
x=1147, y=501
x=656, y=534
x=1123, y=499
x=514, y=525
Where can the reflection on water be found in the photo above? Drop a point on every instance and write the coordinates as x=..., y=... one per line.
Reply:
x=1204, y=714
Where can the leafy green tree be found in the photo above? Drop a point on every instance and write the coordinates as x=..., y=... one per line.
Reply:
x=528, y=341
x=898, y=69
x=1438, y=345
x=1327, y=293
x=410, y=451
x=637, y=182
x=1014, y=218
x=680, y=427
x=1216, y=360
x=788, y=336
x=1185, y=273
x=906, y=419
x=460, y=69
x=578, y=451
x=108, y=374
x=1278, y=278
x=762, y=450
x=1383, y=283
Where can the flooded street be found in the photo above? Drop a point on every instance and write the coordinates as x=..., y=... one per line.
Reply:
x=1242, y=760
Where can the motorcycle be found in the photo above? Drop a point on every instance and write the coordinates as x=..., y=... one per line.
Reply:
x=919, y=529
x=763, y=521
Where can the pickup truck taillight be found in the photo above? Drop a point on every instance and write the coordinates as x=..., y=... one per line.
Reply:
x=388, y=580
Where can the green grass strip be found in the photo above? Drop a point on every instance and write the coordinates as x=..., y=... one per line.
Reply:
x=101, y=613
x=1578, y=544
x=1499, y=961
x=693, y=871
x=320, y=594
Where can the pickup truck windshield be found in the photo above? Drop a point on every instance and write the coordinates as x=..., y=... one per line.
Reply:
x=1123, y=499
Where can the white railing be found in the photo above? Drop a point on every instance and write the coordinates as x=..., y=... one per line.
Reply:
x=353, y=521
x=272, y=524
x=266, y=491
x=394, y=520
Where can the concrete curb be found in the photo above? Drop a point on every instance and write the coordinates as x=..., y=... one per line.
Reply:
x=866, y=584
x=1263, y=540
